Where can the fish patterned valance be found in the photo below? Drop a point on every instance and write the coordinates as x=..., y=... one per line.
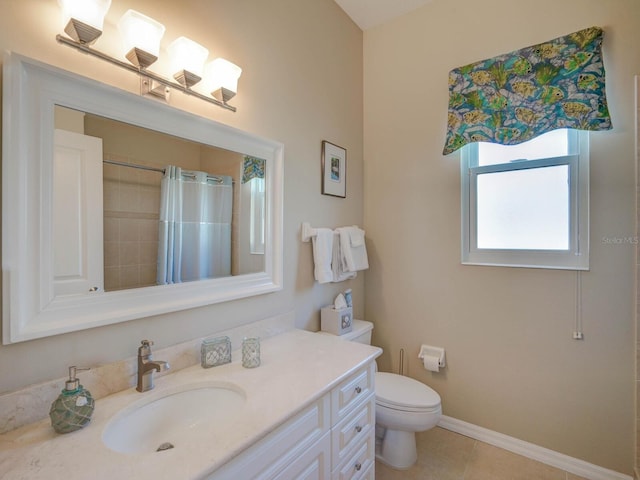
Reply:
x=252, y=168
x=515, y=97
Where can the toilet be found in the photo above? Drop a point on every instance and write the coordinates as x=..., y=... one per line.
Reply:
x=404, y=406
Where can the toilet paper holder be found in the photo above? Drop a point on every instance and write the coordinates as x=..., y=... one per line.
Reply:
x=429, y=351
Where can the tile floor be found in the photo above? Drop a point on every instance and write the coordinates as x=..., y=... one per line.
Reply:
x=445, y=455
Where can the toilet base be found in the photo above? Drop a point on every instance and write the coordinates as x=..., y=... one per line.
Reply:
x=398, y=449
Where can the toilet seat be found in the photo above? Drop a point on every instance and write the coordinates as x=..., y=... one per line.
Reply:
x=403, y=393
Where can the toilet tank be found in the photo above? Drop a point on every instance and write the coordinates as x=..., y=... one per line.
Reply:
x=360, y=332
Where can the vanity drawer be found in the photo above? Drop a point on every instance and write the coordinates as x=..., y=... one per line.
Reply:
x=351, y=392
x=359, y=465
x=266, y=459
x=352, y=430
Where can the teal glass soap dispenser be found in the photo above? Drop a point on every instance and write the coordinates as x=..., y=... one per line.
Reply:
x=74, y=406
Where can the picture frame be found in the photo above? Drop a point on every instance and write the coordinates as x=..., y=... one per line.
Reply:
x=334, y=170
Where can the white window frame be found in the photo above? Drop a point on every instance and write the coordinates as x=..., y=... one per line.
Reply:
x=577, y=256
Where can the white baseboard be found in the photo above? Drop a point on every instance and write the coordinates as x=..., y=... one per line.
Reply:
x=529, y=450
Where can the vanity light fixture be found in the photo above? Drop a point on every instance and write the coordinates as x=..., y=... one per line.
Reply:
x=187, y=60
x=141, y=35
x=224, y=77
x=84, y=19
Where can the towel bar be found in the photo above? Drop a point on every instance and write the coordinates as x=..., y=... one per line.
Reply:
x=307, y=231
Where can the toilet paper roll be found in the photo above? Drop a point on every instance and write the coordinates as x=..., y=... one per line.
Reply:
x=431, y=363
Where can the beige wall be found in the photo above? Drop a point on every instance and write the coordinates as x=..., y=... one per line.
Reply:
x=512, y=365
x=637, y=129
x=301, y=84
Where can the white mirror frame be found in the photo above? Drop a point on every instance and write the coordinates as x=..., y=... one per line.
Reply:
x=29, y=308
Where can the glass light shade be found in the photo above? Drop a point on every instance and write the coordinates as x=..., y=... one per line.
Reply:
x=185, y=54
x=141, y=32
x=222, y=76
x=91, y=12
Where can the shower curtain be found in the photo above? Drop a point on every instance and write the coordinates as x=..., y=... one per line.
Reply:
x=194, y=227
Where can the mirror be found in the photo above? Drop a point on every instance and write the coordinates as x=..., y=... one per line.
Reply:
x=86, y=230
x=206, y=222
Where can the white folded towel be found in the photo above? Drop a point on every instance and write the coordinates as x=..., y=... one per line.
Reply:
x=356, y=237
x=323, y=254
x=339, y=274
x=354, y=250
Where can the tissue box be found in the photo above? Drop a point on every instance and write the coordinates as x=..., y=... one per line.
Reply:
x=335, y=321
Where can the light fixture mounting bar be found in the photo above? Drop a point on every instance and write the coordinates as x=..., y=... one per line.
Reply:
x=168, y=83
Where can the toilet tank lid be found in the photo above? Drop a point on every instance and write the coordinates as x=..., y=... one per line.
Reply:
x=358, y=327
x=402, y=391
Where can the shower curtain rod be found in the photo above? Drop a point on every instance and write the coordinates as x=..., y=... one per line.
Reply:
x=133, y=165
x=215, y=178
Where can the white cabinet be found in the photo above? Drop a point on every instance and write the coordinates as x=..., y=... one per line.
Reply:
x=353, y=426
x=360, y=463
x=334, y=438
x=353, y=431
x=284, y=448
x=314, y=464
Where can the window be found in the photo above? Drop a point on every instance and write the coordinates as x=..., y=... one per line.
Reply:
x=257, y=216
x=527, y=205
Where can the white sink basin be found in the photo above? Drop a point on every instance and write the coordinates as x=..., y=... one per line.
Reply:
x=164, y=420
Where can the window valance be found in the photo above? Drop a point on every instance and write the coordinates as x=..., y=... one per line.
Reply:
x=252, y=168
x=514, y=97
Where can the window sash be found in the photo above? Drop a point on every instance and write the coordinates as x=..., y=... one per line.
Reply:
x=577, y=257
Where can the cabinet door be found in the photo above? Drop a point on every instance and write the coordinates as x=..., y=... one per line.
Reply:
x=267, y=458
x=77, y=214
x=314, y=464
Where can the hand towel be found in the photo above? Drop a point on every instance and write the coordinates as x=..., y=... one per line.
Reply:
x=339, y=275
x=354, y=257
x=323, y=254
x=356, y=237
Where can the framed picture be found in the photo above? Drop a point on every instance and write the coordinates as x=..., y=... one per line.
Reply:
x=334, y=170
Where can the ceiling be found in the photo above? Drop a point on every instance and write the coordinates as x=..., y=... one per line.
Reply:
x=369, y=13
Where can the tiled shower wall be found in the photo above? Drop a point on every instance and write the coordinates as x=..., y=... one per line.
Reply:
x=132, y=203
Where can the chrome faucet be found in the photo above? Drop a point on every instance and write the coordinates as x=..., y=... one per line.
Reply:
x=146, y=366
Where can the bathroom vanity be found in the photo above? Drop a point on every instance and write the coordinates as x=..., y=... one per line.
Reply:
x=307, y=412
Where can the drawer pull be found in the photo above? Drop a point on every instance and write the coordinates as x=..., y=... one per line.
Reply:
x=358, y=466
x=358, y=428
x=358, y=389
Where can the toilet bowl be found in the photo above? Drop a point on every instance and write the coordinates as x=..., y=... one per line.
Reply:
x=404, y=406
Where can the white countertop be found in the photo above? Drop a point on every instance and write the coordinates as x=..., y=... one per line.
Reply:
x=297, y=368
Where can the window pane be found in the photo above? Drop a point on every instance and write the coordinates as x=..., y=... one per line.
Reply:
x=549, y=145
x=524, y=209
